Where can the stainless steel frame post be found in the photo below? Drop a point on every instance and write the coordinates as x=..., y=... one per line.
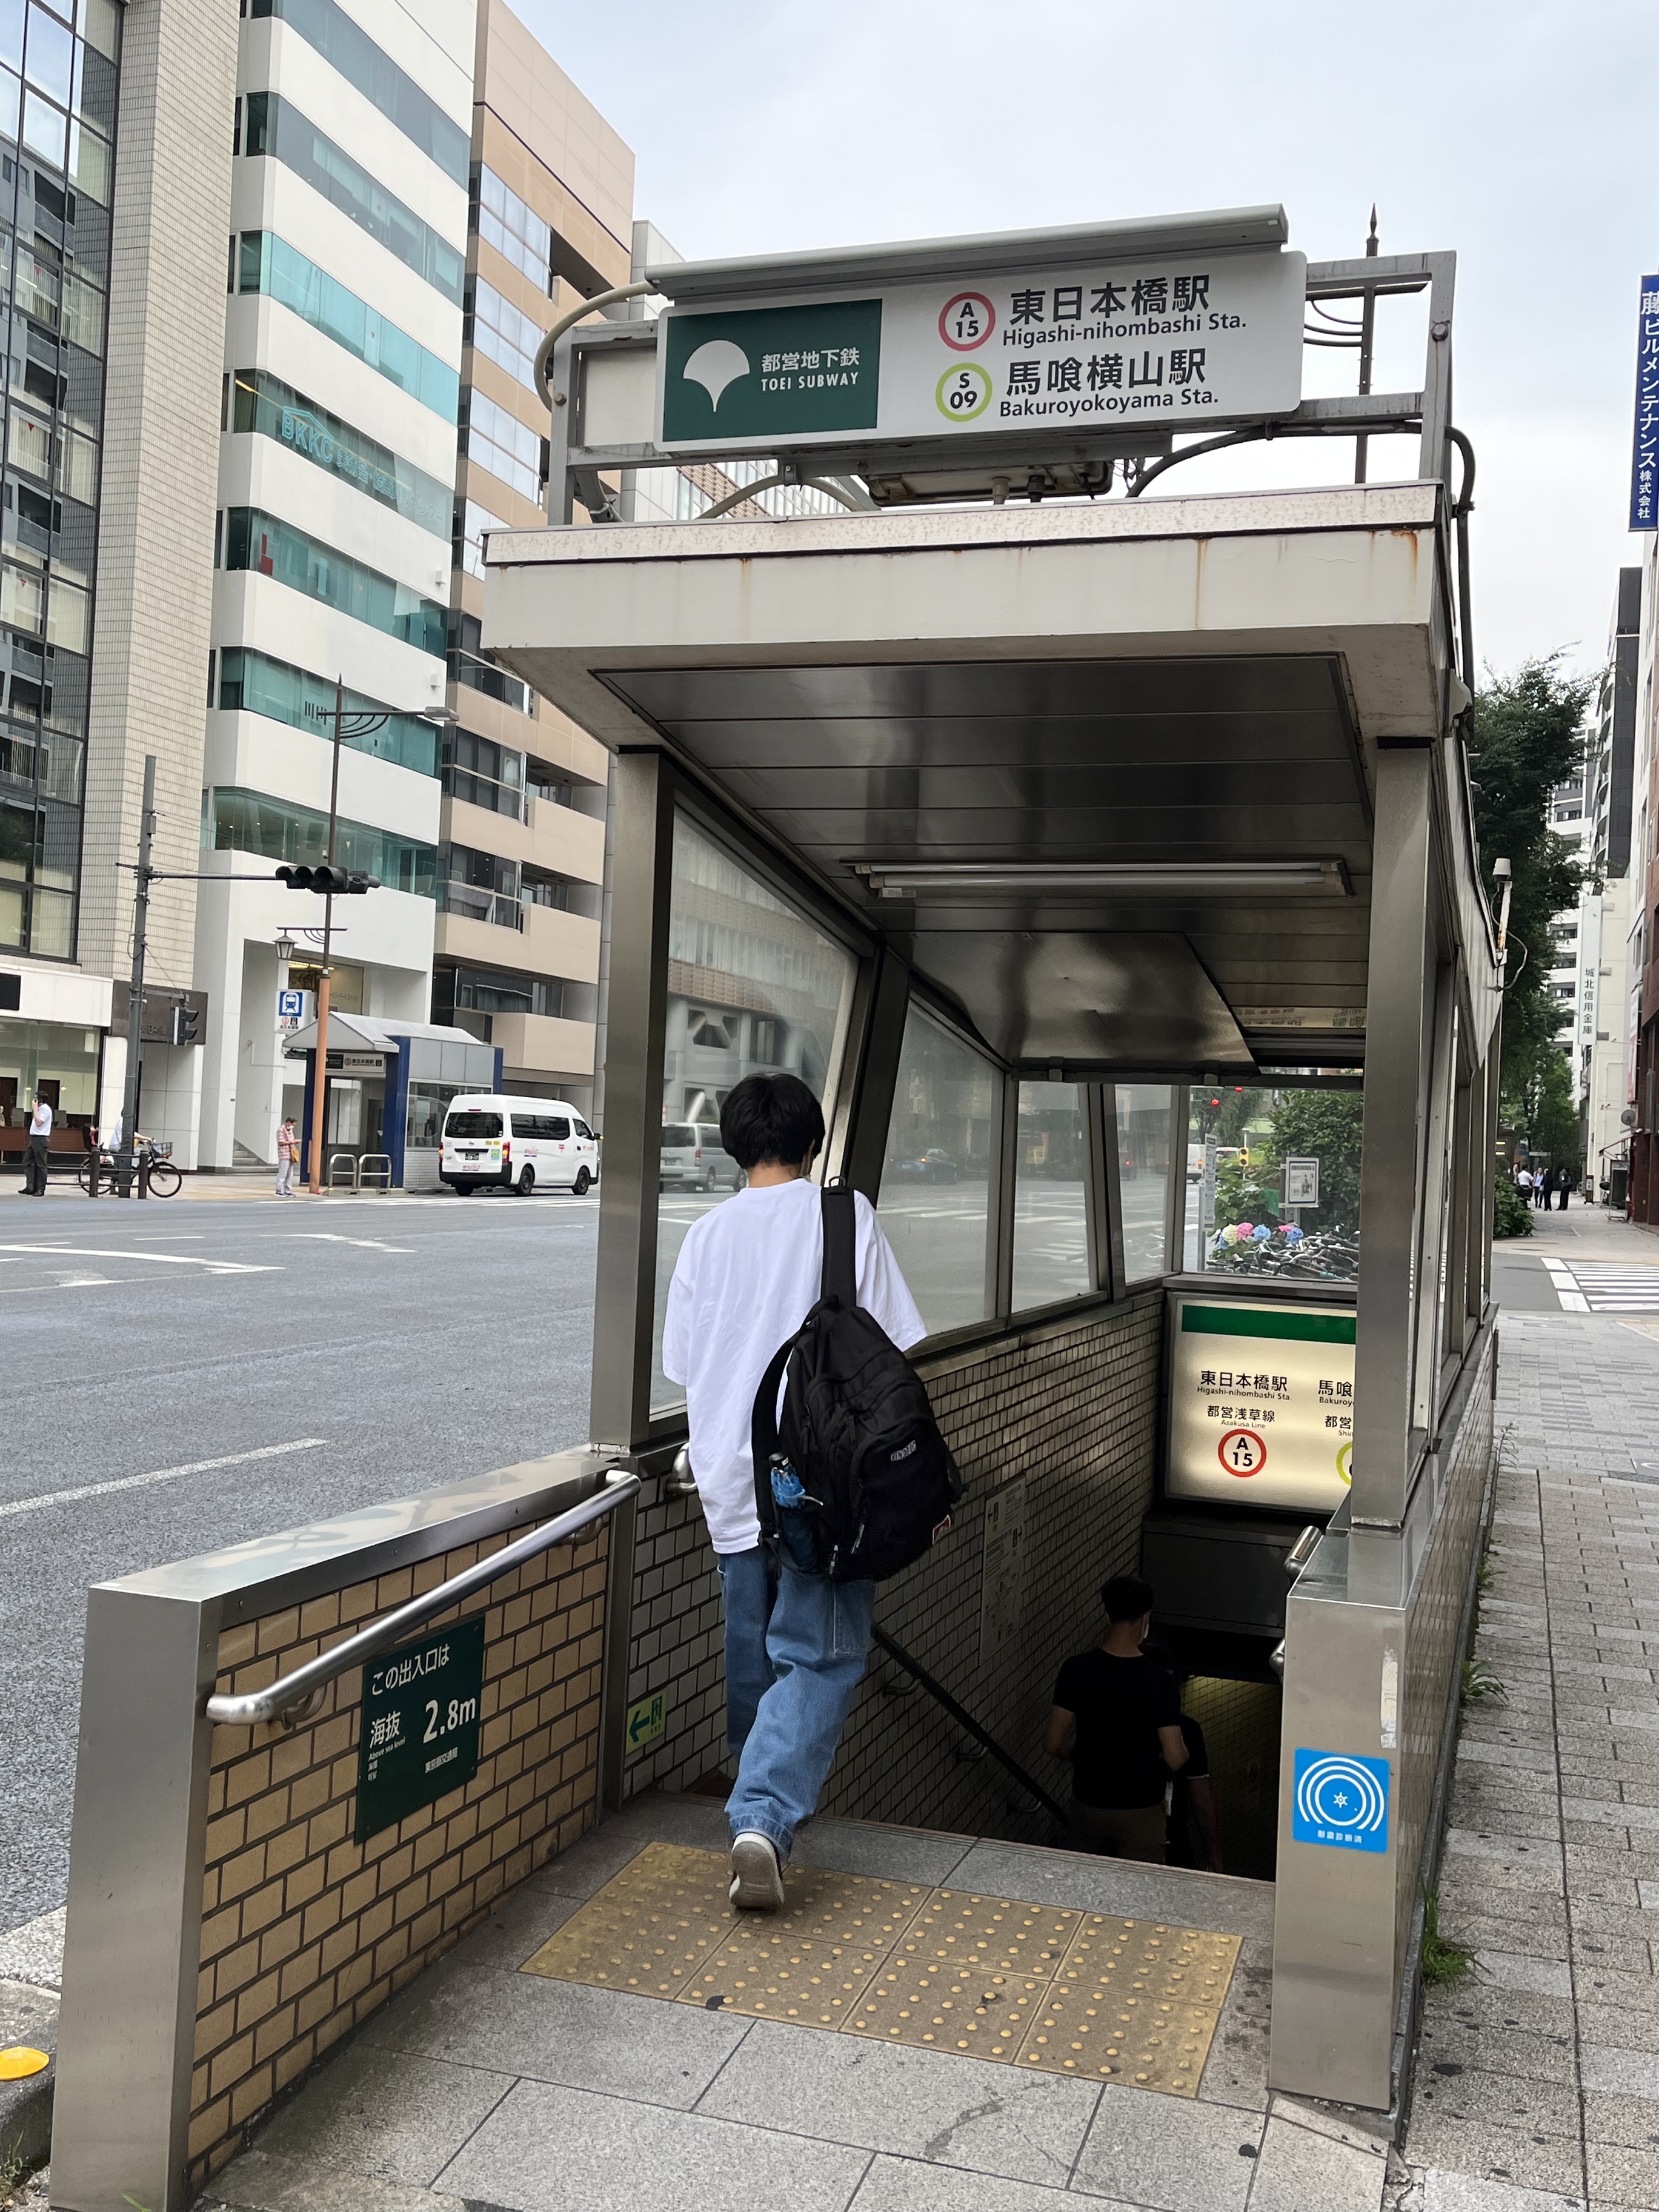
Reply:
x=859, y=1137
x=625, y=1275
x=127, y=2038
x=1109, y=1183
x=1397, y=1051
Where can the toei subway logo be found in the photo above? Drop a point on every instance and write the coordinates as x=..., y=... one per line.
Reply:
x=1340, y=1800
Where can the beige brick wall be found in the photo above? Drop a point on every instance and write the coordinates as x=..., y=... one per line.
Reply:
x=1072, y=1406
x=306, y=1933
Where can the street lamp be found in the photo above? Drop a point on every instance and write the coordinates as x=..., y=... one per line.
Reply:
x=353, y=722
x=285, y=950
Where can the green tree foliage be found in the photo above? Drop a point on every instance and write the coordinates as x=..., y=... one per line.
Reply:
x=1326, y=1126
x=1528, y=737
x=1511, y=1215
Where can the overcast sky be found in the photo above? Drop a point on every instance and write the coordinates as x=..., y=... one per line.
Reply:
x=1519, y=134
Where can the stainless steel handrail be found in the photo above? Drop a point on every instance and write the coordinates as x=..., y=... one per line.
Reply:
x=381, y=1164
x=304, y=1682
x=334, y=1160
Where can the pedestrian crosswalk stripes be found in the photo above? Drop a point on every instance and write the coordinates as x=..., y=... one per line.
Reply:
x=1604, y=1286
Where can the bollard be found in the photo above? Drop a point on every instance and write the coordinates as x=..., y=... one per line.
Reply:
x=92, y=1173
x=143, y=1176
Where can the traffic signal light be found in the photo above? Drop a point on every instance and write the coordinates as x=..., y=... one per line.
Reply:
x=186, y=1024
x=336, y=882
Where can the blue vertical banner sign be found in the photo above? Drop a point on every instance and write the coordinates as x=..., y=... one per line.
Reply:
x=1644, y=459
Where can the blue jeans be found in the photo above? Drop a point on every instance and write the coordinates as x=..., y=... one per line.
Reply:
x=795, y=1652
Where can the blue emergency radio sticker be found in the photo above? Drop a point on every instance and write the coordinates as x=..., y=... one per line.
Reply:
x=1341, y=1800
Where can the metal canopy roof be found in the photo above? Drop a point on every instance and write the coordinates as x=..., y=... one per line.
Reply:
x=1216, y=231
x=1194, y=690
x=1191, y=765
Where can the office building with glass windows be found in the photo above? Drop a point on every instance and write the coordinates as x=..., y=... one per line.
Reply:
x=521, y=847
x=344, y=273
x=112, y=339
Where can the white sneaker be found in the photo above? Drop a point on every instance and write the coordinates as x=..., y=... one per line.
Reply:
x=756, y=1877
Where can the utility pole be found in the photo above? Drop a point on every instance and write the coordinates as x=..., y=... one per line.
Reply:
x=320, y=1087
x=125, y=1158
x=1367, y=339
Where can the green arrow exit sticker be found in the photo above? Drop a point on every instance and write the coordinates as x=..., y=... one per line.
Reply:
x=646, y=1721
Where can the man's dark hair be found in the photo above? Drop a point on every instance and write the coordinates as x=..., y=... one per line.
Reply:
x=770, y=1117
x=1126, y=1597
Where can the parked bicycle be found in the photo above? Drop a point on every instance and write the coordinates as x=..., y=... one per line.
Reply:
x=164, y=1180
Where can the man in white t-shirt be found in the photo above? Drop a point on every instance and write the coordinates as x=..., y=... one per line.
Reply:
x=748, y=1274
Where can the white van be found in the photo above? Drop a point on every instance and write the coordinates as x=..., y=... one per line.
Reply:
x=503, y=1143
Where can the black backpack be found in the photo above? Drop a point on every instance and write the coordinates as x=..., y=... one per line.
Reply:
x=877, y=1484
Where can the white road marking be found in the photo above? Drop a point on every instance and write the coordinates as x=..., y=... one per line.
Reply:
x=80, y=1282
x=158, y=1258
x=161, y=1475
x=1604, y=1286
x=363, y=1243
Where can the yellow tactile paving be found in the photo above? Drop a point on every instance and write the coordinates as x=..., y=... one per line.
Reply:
x=958, y=2007
x=1134, y=2001
x=648, y=1929
x=995, y=1977
x=998, y=1933
x=771, y=1971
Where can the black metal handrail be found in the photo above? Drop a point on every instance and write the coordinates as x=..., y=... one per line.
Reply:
x=963, y=1718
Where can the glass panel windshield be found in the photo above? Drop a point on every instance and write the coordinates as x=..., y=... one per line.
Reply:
x=1051, y=1240
x=1272, y=1178
x=473, y=1125
x=935, y=1187
x=1144, y=1135
x=753, y=987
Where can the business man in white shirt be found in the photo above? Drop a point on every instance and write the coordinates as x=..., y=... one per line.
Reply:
x=34, y=1162
x=748, y=1274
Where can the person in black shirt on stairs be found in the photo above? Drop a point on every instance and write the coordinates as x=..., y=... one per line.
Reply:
x=1117, y=1718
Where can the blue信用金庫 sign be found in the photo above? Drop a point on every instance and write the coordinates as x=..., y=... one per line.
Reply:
x=1340, y=1799
x=1644, y=455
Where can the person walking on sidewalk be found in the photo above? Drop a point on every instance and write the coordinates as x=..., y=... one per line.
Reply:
x=286, y=1146
x=1563, y=1188
x=40, y=1143
x=748, y=1274
x=1116, y=1717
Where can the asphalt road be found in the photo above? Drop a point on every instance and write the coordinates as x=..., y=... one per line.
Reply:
x=420, y=1339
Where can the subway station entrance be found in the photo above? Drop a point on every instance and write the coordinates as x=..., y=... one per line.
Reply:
x=1106, y=865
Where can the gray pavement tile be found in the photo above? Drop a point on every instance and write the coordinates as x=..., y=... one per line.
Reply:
x=1302, y=2170
x=1168, y=2154
x=1224, y=1902
x=1460, y=2192
x=1488, y=1933
x=1236, y=2071
x=386, y=2114
x=553, y=2149
x=1620, y=2026
x=1480, y=2002
x=1605, y=1812
x=869, y=1847
x=918, y=2104
x=588, y=2038
x=1527, y=2159
x=1500, y=2100
x=1469, y=1886
x=1618, y=2072
x=1611, y=2119
x=1450, y=2046
x=907, y=2184
x=1527, y=1756
x=259, y=2181
x=1599, y=1951
x=33, y=1952
x=1622, y=2175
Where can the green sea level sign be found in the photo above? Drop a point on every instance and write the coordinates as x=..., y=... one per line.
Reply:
x=772, y=372
x=420, y=1724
